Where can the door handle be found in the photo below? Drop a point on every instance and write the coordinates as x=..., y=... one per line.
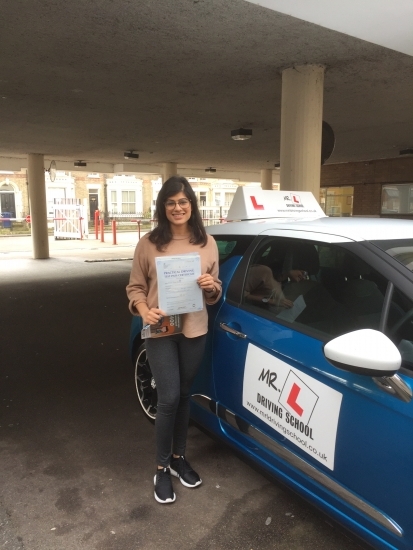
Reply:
x=395, y=386
x=232, y=330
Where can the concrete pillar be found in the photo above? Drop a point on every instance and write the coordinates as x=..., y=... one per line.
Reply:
x=301, y=128
x=38, y=206
x=266, y=178
x=169, y=170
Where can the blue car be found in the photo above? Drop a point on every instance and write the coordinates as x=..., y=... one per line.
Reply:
x=312, y=378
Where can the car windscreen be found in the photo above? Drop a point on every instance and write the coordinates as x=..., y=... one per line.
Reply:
x=399, y=249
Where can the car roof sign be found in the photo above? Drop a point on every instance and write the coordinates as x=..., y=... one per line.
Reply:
x=251, y=203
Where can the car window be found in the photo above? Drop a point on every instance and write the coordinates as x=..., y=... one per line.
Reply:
x=232, y=245
x=399, y=327
x=318, y=287
x=400, y=249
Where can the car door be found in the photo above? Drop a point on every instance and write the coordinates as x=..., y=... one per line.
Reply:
x=339, y=438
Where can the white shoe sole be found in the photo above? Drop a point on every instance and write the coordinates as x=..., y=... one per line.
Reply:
x=167, y=501
x=174, y=473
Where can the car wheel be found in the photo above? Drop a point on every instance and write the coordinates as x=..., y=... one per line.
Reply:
x=145, y=384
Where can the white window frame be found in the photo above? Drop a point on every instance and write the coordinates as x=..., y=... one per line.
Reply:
x=118, y=184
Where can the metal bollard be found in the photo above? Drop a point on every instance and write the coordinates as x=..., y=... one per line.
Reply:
x=97, y=224
x=102, y=231
x=114, y=231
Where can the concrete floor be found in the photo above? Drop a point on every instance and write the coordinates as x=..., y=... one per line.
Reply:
x=77, y=455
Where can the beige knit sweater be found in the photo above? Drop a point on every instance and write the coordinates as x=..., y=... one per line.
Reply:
x=143, y=284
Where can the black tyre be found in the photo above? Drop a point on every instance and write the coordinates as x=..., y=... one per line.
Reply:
x=145, y=384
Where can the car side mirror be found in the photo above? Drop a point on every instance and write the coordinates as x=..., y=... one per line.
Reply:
x=368, y=352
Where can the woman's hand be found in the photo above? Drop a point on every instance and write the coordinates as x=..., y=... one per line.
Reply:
x=153, y=316
x=286, y=303
x=206, y=283
x=297, y=275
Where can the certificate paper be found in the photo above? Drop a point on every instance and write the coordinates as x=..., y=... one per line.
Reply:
x=291, y=314
x=178, y=291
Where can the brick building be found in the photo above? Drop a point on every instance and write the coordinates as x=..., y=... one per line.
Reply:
x=119, y=196
x=380, y=188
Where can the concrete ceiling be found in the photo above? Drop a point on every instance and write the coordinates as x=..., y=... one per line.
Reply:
x=171, y=78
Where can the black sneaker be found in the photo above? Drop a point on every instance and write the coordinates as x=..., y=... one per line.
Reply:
x=181, y=468
x=164, y=493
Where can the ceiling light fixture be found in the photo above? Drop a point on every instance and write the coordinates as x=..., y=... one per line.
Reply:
x=80, y=163
x=130, y=155
x=408, y=151
x=210, y=169
x=277, y=165
x=241, y=134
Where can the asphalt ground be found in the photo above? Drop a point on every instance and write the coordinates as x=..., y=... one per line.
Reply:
x=77, y=454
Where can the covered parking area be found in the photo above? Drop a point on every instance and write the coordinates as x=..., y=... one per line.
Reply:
x=169, y=80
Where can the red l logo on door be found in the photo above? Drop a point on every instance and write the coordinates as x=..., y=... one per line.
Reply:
x=256, y=205
x=292, y=399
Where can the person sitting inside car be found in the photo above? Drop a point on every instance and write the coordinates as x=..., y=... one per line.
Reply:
x=261, y=287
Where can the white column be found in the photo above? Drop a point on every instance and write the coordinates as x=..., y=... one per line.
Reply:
x=266, y=178
x=38, y=206
x=301, y=128
x=169, y=170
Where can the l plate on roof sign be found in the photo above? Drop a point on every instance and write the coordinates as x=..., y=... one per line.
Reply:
x=302, y=409
x=252, y=203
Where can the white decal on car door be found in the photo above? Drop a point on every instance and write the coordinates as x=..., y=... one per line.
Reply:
x=304, y=410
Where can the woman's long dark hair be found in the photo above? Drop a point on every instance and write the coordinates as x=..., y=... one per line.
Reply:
x=162, y=235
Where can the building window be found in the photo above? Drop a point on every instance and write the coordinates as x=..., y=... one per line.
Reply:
x=128, y=202
x=202, y=198
x=113, y=201
x=228, y=199
x=397, y=199
x=337, y=201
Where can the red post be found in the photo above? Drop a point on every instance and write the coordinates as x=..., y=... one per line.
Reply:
x=114, y=231
x=97, y=224
x=139, y=230
x=102, y=231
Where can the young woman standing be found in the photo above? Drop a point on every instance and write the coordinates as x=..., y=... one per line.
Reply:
x=174, y=359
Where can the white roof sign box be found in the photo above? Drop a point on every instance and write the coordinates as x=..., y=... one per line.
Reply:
x=251, y=203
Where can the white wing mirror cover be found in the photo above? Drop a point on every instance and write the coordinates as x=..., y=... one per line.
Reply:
x=365, y=351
